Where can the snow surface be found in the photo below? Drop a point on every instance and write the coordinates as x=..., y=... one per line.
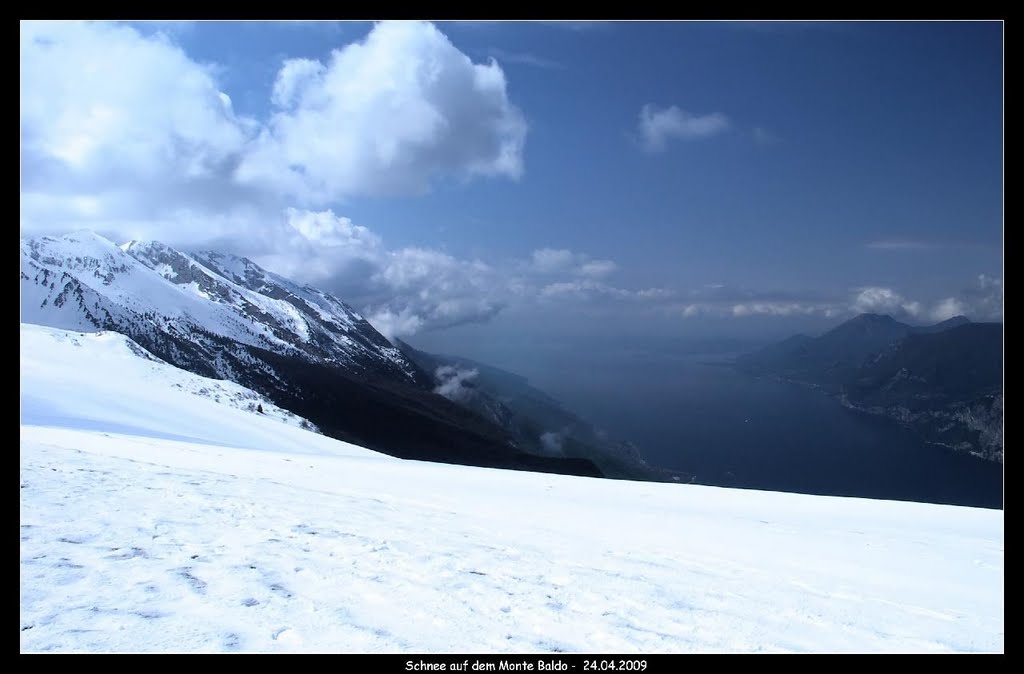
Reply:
x=155, y=518
x=105, y=381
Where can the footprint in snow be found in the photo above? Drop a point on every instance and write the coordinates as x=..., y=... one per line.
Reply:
x=287, y=636
x=197, y=584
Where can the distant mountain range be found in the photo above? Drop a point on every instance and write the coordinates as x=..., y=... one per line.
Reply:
x=224, y=317
x=944, y=381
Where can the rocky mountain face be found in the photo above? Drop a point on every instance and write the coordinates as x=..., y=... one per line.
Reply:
x=223, y=316
x=943, y=381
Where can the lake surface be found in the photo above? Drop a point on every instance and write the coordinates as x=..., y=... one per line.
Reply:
x=693, y=413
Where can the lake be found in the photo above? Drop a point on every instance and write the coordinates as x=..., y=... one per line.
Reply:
x=693, y=413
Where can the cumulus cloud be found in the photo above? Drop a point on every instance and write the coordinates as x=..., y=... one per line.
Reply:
x=877, y=300
x=657, y=126
x=451, y=381
x=87, y=103
x=386, y=115
x=392, y=325
x=439, y=289
x=401, y=291
x=294, y=79
x=982, y=301
x=124, y=131
x=326, y=229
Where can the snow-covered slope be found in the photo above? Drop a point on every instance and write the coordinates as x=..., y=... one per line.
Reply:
x=105, y=382
x=154, y=519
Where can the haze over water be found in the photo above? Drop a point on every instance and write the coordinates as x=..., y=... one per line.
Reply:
x=690, y=411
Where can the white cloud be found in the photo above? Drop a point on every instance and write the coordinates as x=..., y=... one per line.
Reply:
x=596, y=268
x=547, y=260
x=656, y=127
x=586, y=289
x=401, y=291
x=294, y=79
x=877, y=300
x=946, y=309
x=123, y=131
x=435, y=288
x=393, y=325
x=451, y=381
x=982, y=302
x=759, y=308
x=562, y=261
x=552, y=441
x=101, y=99
x=316, y=247
x=589, y=290
x=726, y=301
x=776, y=309
x=327, y=229
x=655, y=293
x=387, y=115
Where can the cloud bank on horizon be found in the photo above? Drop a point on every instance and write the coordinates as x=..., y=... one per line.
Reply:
x=128, y=135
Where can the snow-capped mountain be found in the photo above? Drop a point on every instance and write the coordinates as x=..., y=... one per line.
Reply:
x=224, y=317
x=82, y=280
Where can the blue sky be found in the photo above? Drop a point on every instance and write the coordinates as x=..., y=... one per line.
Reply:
x=651, y=178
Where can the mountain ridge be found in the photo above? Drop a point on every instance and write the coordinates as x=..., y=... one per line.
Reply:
x=943, y=381
x=224, y=317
